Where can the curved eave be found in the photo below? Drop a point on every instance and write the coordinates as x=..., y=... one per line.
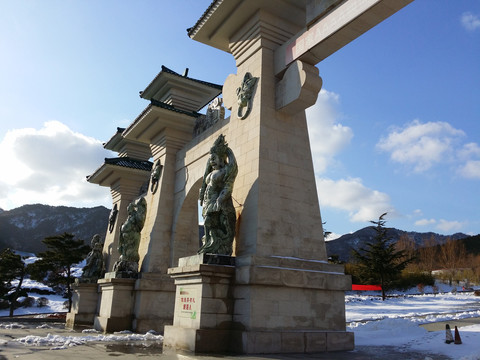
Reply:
x=224, y=18
x=161, y=90
x=115, y=140
x=155, y=119
x=109, y=174
x=167, y=79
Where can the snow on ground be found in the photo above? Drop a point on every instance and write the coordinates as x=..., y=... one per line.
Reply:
x=55, y=302
x=393, y=322
x=429, y=306
x=59, y=342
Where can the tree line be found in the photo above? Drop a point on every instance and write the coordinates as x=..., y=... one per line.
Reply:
x=53, y=268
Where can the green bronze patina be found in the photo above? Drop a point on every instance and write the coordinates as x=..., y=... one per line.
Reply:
x=216, y=199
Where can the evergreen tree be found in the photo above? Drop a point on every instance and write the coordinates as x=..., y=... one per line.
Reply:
x=379, y=262
x=12, y=268
x=55, y=266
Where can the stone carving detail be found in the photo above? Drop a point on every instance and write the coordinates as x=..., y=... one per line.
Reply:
x=129, y=241
x=298, y=89
x=245, y=94
x=155, y=177
x=112, y=219
x=216, y=110
x=216, y=199
x=94, y=268
x=215, y=113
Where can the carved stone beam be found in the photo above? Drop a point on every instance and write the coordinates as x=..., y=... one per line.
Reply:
x=330, y=29
x=298, y=89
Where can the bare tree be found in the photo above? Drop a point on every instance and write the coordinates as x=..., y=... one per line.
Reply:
x=406, y=244
x=453, y=256
x=428, y=255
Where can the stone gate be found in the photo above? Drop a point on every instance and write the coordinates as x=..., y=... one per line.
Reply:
x=280, y=294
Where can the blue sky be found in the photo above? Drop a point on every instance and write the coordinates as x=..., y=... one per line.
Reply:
x=395, y=128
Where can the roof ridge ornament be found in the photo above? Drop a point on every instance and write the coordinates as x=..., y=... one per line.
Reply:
x=245, y=95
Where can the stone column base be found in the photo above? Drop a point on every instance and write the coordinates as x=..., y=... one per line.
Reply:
x=113, y=323
x=196, y=340
x=284, y=305
x=256, y=342
x=116, y=305
x=84, y=305
x=154, y=302
x=203, y=305
x=278, y=342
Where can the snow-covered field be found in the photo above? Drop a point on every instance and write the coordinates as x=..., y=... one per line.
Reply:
x=55, y=302
x=394, y=322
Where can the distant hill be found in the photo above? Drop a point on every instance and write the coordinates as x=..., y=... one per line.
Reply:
x=24, y=228
x=472, y=244
x=344, y=244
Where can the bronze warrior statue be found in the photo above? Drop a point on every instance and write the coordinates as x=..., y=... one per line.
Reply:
x=216, y=199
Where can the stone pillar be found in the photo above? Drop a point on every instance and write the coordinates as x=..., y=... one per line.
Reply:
x=155, y=290
x=276, y=180
x=116, y=304
x=203, y=306
x=124, y=191
x=84, y=305
x=287, y=297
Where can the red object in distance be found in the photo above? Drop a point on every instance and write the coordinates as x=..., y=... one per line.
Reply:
x=366, y=287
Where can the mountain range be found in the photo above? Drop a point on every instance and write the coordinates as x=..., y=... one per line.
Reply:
x=342, y=246
x=24, y=228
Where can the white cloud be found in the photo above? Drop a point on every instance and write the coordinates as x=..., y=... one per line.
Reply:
x=425, y=222
x=442, y=224
x=327, y=136
x=470, y=170
x=469, y=159
x=361, y=203
x=469, y=150
x=417, y=212
x=49, y=166
x=421, y=145
x=449, y=226
x=470, y=21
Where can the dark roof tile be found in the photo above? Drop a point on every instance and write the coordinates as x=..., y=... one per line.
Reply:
x=194, y=28
x=128, y=162
x=215, y=86
x=173, y=108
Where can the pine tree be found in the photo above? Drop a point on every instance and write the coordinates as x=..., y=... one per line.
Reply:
x=12, y=268
x=55, y=266
x=379, y=262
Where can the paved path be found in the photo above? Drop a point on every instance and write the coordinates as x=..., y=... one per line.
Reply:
x=440, y=325
x=11, y=349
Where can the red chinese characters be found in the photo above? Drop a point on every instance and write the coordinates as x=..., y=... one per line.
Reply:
x=187, y=302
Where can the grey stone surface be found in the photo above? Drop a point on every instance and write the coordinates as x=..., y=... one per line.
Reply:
x=10, y=349
x=84, y=304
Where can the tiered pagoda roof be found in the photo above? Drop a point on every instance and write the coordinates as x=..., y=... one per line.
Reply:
x=180, y=91
x=106, y=174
